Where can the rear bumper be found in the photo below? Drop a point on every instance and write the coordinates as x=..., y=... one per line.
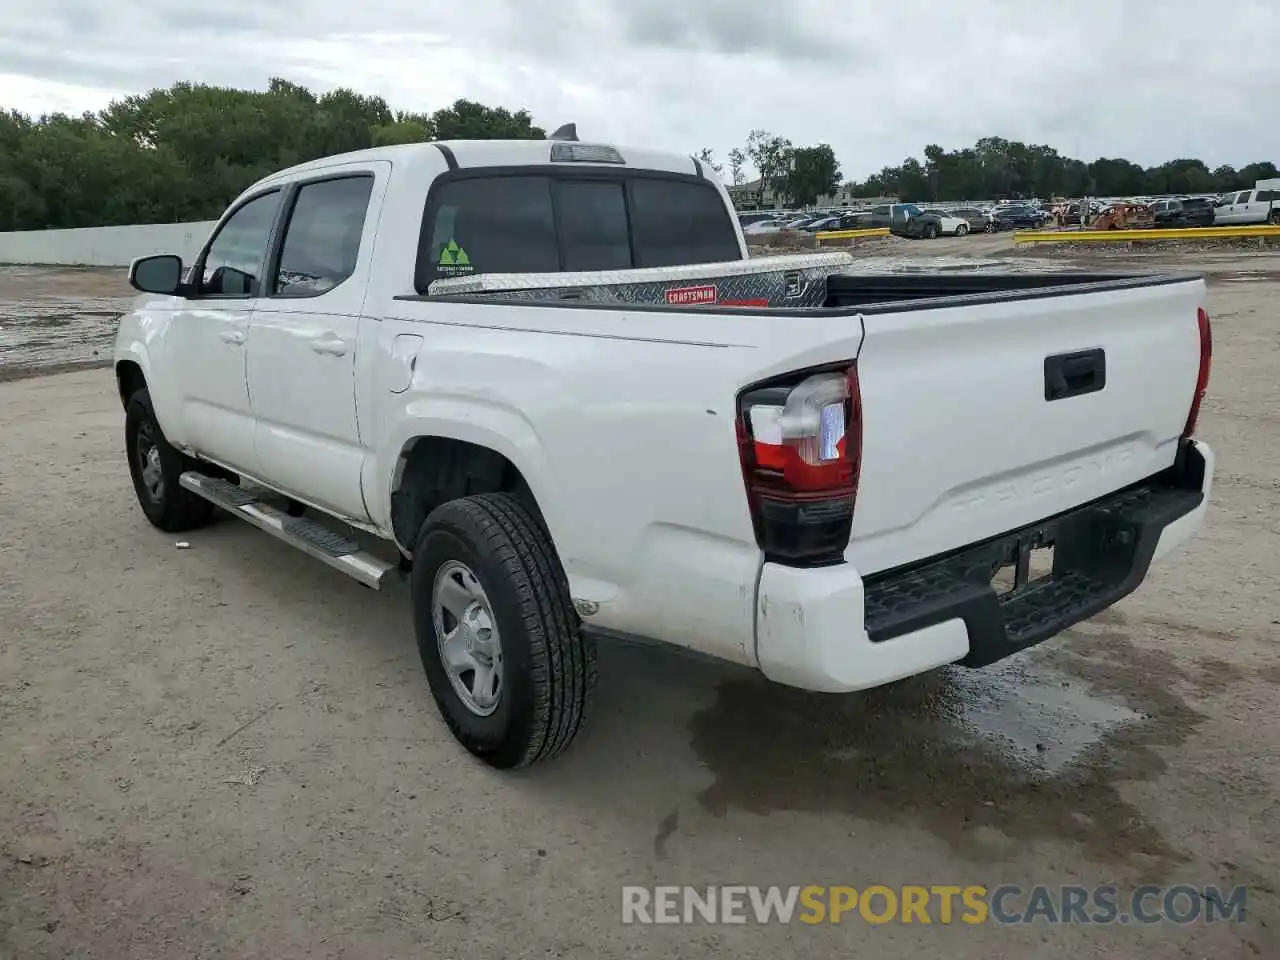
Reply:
x=828, y=629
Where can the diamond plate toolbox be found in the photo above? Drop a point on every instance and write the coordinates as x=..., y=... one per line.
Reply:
x=787, y=281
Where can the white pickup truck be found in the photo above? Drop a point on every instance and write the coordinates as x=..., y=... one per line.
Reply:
x=544, y=381
x=1248, y=207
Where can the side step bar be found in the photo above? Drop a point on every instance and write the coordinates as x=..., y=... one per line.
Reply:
x=328, y=546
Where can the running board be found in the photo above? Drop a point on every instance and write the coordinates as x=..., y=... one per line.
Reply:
x=328, y=546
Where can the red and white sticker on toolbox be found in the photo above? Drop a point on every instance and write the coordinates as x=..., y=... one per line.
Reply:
x=692, y=296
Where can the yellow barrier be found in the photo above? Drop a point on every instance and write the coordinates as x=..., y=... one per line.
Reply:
x=852, y=234
x=1180, y=233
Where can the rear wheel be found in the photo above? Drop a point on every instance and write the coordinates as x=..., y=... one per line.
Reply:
x=989, y=227
x=1275, y=218
x=930, y=231
x=155, y=467
x=503, y=650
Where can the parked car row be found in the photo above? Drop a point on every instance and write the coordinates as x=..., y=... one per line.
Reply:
x=902, y=219
x=911, y=220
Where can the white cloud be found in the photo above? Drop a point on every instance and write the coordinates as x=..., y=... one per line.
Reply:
x=877, y=80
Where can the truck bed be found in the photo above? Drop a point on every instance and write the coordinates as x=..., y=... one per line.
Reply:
x=805, y=284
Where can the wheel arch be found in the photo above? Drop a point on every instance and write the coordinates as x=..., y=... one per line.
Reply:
x=435, y=468
x=130, y=378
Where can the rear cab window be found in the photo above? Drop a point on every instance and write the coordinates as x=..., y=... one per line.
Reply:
x=541, y=220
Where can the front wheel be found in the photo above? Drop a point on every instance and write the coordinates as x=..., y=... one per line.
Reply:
x=989, y=228
x=930, y=231
x=505, y=656
x=155, y=467
x=962, y=230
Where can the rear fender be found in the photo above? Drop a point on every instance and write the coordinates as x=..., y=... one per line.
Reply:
x=496, y=427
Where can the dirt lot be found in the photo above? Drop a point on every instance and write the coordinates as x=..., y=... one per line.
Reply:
x=230, y=751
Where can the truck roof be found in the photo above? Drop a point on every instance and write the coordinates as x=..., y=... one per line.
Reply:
x=494, y=153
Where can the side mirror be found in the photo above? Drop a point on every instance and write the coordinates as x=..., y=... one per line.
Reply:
x=161, y=273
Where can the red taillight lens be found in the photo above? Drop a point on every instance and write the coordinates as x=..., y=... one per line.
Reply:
x=800, y=440
x=1202, y=379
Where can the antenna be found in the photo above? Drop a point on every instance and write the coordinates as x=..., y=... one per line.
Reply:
x=567, y=132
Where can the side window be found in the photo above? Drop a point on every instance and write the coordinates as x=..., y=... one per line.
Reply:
x=487, y=225
x=1242, y=197
x=231, y=265
x=322, y=240
x=879, y=211
x=592, y=224
x=677, y=222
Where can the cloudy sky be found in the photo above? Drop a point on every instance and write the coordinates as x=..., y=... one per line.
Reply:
x=877, y=79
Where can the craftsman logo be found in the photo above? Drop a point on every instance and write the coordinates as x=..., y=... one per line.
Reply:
x=692, y=296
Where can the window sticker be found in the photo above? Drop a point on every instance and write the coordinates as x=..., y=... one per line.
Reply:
x=454, y=261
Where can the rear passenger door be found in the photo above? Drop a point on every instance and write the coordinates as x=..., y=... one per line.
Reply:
x=1257, y=206
x=303, y=335
x=880, y=217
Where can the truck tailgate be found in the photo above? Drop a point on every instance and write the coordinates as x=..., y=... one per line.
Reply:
x=981, y=417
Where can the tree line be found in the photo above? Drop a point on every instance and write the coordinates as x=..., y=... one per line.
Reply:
x=185, y=152
x=992, y=168
x=182, y=153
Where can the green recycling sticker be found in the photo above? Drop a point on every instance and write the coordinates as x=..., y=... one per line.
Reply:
x=454, y=260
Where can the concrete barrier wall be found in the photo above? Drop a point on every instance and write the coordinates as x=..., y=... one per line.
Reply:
x=103, y=246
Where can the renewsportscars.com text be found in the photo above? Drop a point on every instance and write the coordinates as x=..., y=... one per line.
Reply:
x=936, y=903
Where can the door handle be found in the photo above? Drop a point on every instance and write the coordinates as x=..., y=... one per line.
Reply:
x=232, y=336
x=1074, y=374
x=329, y=344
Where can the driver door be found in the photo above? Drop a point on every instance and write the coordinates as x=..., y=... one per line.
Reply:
x=209, y=333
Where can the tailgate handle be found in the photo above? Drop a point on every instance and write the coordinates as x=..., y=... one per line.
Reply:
x=1074, y=374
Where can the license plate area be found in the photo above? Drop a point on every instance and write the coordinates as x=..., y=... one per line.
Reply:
x=1027, y=563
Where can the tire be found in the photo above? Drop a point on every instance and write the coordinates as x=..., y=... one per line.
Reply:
x=930, y=231
x=962, y=230
x=1275, y=218
x=541, y=668
x=989, y=228
x=155, y=467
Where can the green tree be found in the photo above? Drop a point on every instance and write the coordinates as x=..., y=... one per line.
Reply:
x=737, y=160
x=183, y=152
x=468, y=120
x=770, y=155
x=814, y=173
x=994, y=168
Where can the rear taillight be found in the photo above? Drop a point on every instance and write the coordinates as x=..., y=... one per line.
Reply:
x=1202, y=378
x=800, y=440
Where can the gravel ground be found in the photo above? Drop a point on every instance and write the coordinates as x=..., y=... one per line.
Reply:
x=230, y=750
